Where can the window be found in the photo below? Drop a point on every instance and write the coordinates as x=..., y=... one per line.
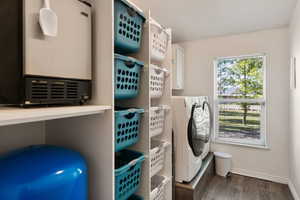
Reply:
x=240, y=100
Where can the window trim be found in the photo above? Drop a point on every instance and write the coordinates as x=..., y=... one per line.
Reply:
x=263, y=101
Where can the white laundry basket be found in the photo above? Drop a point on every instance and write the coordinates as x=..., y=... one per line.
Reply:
x=157, y=156
x=160, y=41
x=158, y=187
x=223, y=163
x=157, y=120
x=157, y=81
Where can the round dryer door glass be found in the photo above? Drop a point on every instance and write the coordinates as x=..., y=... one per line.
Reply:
x=199, y=128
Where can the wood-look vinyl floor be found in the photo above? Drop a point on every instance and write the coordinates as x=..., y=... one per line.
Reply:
x=238, y=187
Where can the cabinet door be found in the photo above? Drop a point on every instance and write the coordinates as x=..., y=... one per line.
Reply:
x=69, y=55
x=178, y=68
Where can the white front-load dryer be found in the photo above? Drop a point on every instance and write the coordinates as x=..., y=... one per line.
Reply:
x=192, y=127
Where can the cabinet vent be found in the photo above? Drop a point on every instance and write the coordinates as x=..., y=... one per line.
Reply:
x=39, y=89
x=72, y=90
x=58, y=90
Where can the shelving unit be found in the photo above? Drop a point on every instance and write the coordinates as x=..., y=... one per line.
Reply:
x=13, y=115
x=90, y=129
x=143, y=101
x=167, y=134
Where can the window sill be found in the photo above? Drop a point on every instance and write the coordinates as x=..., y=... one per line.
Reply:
x=264, y=147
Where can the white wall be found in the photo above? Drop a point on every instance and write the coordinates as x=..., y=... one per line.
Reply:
x=21, y=135
x=269, y=164
x=295, y=106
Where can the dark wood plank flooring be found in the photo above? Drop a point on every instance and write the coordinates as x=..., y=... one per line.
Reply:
x=238, y=187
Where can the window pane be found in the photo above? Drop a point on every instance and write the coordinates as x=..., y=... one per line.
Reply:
x=240, y=122
x=240, y=77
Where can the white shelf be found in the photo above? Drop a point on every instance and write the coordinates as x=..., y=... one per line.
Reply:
x=13, y=115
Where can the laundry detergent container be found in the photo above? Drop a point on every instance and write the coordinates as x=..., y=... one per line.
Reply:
x=43, y=173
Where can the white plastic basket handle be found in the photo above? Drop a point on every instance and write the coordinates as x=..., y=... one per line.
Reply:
x=161, y=107
x=165, y=144
x=161, y=186
x=161, y=28
x=165, y=107
x=157, y=71
x=157, y=111
x=165, y=70
x=167, y=73
x=162, y=146
x=155, y=23
x=159, y=149
x=166, y=181
x=163, y=183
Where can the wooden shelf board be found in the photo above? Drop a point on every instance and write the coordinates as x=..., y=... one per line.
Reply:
x=14, y=115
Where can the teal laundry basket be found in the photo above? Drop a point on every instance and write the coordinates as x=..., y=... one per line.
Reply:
x=128, y=173
x=127, y=127
x=127, y=77
x=128, y=27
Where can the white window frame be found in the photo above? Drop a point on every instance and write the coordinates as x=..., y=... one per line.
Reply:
x=263, y=142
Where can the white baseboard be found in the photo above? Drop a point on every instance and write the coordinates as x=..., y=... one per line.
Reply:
x=259, y=175
x=293, y=190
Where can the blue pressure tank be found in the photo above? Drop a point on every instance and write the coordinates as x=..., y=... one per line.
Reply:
x=43, y=173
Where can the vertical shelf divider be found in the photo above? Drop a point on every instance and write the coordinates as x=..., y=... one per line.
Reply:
x=93, y=136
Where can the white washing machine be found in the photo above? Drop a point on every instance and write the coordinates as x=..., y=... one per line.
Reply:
x=192, y=130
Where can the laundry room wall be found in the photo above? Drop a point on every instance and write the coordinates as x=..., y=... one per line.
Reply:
x=21, y=135
x=269, y=163
x=295, y=107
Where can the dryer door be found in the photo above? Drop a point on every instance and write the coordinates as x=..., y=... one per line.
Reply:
x=199, y=127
